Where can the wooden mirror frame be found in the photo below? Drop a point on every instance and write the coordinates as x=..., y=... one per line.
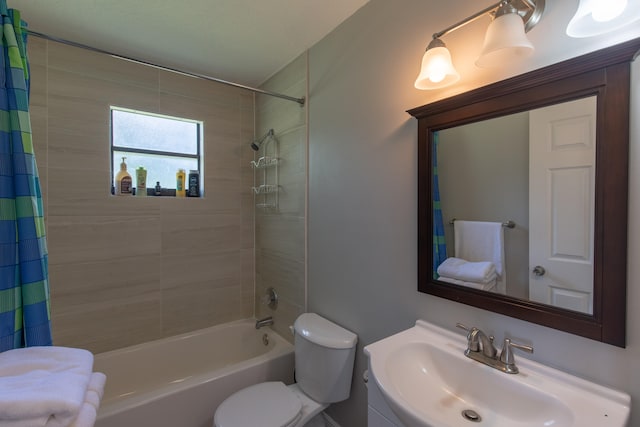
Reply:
x=606, y=74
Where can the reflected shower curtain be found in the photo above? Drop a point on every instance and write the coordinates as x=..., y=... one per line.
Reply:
x=24, y=285
x=439, y=242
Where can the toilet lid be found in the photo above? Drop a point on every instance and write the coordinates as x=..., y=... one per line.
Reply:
x=269, y=404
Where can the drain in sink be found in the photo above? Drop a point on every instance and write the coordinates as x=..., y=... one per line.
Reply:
x=471, y=415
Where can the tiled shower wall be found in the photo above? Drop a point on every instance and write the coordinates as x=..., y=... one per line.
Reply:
x=129, y=270
x=281, y=232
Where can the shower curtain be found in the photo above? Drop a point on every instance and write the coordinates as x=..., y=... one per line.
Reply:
x=24, y=286
x=439, y=242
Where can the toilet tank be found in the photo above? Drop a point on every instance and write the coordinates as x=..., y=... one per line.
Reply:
x=324, y=354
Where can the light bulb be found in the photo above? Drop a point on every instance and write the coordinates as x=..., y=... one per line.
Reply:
x=604, y=11
x=437, y=71
x=595, y=17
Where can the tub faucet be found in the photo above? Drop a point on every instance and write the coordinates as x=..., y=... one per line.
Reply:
x=264, y=322
x=481, y=349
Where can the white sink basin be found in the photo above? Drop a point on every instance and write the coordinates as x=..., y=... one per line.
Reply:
x=427, y=381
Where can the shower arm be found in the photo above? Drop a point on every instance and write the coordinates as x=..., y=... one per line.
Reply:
x=257, y=143
x=265, y=136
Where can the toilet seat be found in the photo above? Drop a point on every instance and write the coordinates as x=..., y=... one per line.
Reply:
x=269, y=404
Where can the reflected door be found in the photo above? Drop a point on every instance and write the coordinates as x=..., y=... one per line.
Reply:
x=561, y=204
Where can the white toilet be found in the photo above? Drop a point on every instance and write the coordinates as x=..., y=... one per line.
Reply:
x=324, y=354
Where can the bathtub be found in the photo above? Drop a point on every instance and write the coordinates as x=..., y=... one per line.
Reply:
x=180, y=381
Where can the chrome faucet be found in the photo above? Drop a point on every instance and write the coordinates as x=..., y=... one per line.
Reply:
x=481, y=349
x=264, y=322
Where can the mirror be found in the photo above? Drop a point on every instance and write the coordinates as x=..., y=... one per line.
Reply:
x=540, y=184
x=595, y=236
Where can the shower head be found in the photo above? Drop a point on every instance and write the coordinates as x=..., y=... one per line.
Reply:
x=257, y=143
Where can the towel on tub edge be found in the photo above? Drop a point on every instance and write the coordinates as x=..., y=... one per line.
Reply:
x=48, y=387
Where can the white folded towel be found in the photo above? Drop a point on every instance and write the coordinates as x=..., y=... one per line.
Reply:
x=43, y=386
x=460, y=269
x=95, y=390
x=89, y=409
x=482, y=241
x=489, y=286
x=86, y=416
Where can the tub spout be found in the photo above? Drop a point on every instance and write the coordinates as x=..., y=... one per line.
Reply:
x=264, y=322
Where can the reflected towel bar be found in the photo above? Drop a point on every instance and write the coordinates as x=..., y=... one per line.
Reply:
x=507, y=224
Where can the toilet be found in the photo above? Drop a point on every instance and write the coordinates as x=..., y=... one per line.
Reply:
x=324, y=356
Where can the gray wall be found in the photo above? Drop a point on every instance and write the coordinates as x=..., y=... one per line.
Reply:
x=362, y=185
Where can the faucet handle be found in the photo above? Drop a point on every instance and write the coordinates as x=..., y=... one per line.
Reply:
x=472, y=336
x=462, y=326
x=506, y=356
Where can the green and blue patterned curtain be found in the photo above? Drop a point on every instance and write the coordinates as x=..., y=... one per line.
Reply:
x=24, y=285
x=439, y=242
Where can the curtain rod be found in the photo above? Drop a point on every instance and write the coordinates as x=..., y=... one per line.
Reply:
x=300, y=101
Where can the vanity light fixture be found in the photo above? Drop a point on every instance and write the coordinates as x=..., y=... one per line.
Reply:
x=595, y=17
x=437, y=70
x=505, y=40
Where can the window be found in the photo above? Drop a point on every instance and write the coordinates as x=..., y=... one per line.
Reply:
x=160, y=144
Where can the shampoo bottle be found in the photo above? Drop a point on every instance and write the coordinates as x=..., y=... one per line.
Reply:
x=141, y=181
x=180, y=178
x=123, y=180
x=194, y=184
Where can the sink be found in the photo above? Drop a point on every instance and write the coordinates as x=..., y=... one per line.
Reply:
x=427, y=381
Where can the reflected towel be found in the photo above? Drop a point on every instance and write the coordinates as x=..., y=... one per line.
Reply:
x=43, y=386
x=460, y=269
x=489, y=286
x=482, y=241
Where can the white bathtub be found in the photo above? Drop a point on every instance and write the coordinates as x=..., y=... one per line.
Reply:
x=180, y=381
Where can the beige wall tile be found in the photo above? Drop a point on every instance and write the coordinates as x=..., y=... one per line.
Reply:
x=198, y=306
x=85, y=63
x=37, y=51
x=213, y=93
x=280, y=233
x=103, y=281
x=292, y=172
x=281, y=114
x=247, y=282
x=200, y=290
x=125, y=270
x=114, y=326
x=283, y=273
x=74, y=240
x=94, y=90
x=213, y=233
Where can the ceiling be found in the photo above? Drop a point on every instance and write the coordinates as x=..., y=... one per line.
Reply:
x=243, y=41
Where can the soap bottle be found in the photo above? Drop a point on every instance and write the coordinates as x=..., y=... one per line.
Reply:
x=194, y=184
x=123, y=180
x=180, y=178
x=141, y=181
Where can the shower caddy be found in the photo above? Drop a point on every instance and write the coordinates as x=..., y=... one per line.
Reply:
x=265, y=176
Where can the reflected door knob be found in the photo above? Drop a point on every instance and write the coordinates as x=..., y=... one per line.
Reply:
x=539, y=270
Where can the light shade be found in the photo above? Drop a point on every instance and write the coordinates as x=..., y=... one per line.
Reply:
x=595, y=17
x=504, y=41
x=437, y=70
